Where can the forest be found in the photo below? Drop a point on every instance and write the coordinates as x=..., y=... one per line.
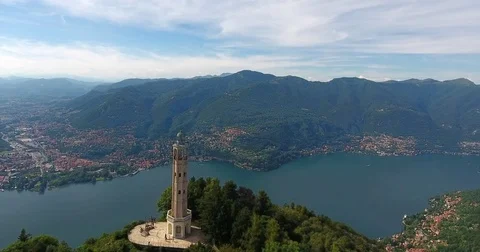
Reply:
x=236, y=219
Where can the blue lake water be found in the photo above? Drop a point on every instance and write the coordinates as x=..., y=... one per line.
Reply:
x=369, y=193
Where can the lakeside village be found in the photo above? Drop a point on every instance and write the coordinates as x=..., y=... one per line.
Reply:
x=46, y=153
x=37, y=155
x=38, y=158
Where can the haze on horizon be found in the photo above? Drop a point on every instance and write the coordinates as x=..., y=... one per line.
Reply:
x=314, y=39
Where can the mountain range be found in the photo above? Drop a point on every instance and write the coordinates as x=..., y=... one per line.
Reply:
x=279, y=115
x=43, y=88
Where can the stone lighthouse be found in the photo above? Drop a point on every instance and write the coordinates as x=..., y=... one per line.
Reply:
x=179, y=218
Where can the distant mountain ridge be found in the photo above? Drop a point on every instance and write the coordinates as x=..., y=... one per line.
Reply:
x=211, y=76
x=139, y=81
x=458, y=81
x=124, y=83
x=43, y=88
x=285, y=114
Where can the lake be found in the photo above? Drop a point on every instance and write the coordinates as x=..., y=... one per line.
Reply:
x=369, y=193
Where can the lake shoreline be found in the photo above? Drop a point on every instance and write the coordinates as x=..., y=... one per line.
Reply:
x=380, y=189
x=243, y=167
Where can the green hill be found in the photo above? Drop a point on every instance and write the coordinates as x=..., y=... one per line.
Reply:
x=284, y=115
x=450, y=223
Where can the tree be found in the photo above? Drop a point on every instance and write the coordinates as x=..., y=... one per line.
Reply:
x=195, y=192
x=23, y=237
x=63, y=247
x=245, y=198
x=224, y=221
x=50, y=248
x=256, y=234
x=273, y=232
x=240, y=226
x=229, y=248
x=40, y=243
x=90, y=241
x=165, y=202
x=289, y=217
x=263, y=205
x=289, y=246
x=199, y=247
x=229, y=190
x=209, y=206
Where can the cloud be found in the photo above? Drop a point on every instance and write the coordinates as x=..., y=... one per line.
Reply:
x=318, y=39
x=18, y=57
x=39, y=59
x=395, y=26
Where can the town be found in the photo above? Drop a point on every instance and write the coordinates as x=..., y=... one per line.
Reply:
x=42, y=149
x=45, y=150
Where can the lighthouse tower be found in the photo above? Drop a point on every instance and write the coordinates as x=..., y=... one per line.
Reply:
x=179, y=218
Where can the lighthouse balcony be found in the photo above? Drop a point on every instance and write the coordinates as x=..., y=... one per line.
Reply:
x=185, y=218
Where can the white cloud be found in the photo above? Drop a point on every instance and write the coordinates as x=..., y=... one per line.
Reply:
x=318, y=39
x=18, y=57
x=38, y=59
x=396, y=26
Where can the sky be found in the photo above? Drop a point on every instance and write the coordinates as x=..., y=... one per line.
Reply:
x=111, y=40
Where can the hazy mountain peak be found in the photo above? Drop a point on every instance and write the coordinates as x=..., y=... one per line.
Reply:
x=460, y=81
x=211, y=76
x=349, y=80
x=250, y=75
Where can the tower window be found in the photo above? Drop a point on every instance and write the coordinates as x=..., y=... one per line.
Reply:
x=185, y=174
x=179, y=191
x=180, y=174
x=174, y=174
x=183, y=191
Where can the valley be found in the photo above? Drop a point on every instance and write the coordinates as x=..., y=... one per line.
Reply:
x=120, y=129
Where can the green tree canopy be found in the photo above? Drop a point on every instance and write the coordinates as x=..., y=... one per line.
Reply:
x=23, y=235
x=165, y=203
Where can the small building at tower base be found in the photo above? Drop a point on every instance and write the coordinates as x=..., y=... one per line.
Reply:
x=179, y=227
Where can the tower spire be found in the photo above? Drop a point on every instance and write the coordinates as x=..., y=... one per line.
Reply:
x=179, y=217
x=180, y=138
